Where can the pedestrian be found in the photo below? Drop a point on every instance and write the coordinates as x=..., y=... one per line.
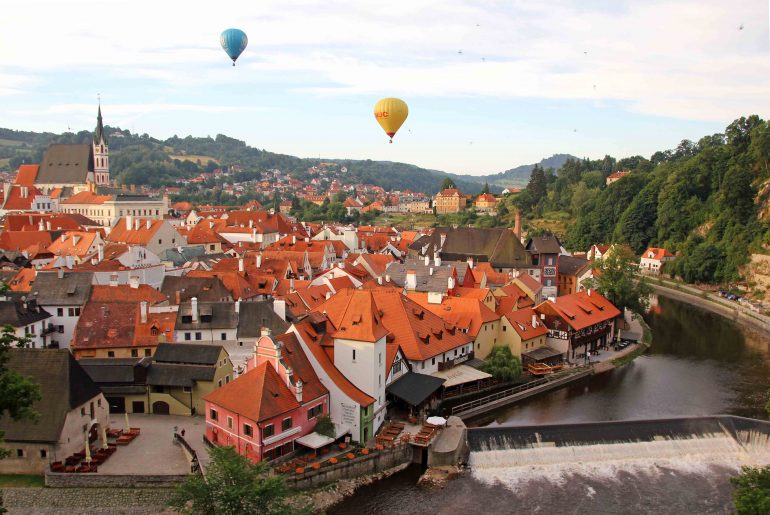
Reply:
x=182, y=432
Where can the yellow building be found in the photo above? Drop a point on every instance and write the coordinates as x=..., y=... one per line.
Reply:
x=450, y=200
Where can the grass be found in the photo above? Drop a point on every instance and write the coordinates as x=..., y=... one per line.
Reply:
x=21, y=480
x=194, y=158
x=554, y=221
x=410, y=220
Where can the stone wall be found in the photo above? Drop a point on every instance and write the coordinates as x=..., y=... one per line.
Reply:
x=359, y=466
x=85, y=501
x=75, y=480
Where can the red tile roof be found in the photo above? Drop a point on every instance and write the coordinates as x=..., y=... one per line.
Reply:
x=295, y=357
x=25, y=240
x=87, y=197
x=459, y=311
x=524, y=324
x=140, y=236
x=27, y=174
x=580, y=310
x=125, y=293
x=656, y=253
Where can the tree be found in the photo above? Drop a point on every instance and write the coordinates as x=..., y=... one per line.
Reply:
x=485, y=189
x=233, y=485
x=615, y=278
x=448, y=183
x=538, y=185
x=752, y=491
x=503, y=365
x=17, y=392
x=324, y=426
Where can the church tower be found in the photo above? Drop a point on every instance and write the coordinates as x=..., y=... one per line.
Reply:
x=101, y=154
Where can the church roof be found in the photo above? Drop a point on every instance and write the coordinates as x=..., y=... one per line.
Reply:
x=99, y=135
x=66, y=164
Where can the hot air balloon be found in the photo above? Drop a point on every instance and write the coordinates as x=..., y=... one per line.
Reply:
x=234, y=42
x=390, y=114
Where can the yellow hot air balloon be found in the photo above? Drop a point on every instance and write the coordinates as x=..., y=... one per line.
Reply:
x=391, y=114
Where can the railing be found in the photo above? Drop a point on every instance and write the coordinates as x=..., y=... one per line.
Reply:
x=195, y=466
x=497, y=396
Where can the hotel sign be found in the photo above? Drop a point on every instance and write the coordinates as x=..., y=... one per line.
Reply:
x=349, y=414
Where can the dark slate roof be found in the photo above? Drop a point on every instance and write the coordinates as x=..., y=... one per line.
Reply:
x=74, y=288
x=414, y=388
x=254, y=316
x=114, y=370
x=187, y=353
x=570, y=265
x=544, y=245
x=223, y=316
x=205, y=289
x=168, y=374
x=99, y=132
x=499, y=246
x=19, y=313
x=65, y=164
x=64, y=386
x=180, y=256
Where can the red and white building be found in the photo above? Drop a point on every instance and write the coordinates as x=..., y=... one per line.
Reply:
x=653, y=259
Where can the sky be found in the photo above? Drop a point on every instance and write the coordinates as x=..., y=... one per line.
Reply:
x=490, y=84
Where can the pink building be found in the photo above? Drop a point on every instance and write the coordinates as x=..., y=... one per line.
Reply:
x=264, y=410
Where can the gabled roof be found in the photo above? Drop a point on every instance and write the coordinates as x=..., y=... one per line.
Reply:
x=205, y=289
x=125, y=293
x=465, y=312
x=64, y=386
x=580, y=310
x=66, y=164
x=547, y=244
x=72, y=289
x=449, y=192
x=18, y=313
x=525, y=325
x=530, y=282
x=355, y=316
x=295, y=357
x=187, y=353
x=20, y=198
x=32, y=241
x=23, y=280
x=656, y=253
x=223, y=316
x=253, y=316
x=87, y=197
x=259, y=394
x=27, y=174
x=73, y=243
x=499, y=246
x=140, y=236
x=570, y=265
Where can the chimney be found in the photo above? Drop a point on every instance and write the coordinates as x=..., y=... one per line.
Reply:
x=589, y=292
x=279, y=306
x=238, y=306
x=194, y=309
x=60, y=274
x=450, y=283
x=136, y=224
x=24, y=192
x=143, y=311
x=259, y=260
x=129, y=222
x=133, y=281
x=411, y=280
x=436, y=259
x=240, y=264
x=178, y=297
x=328, y=295
x=387, y=278
x=430, y=270
x=298, y=390
x=113, y=279
x=148, y=223
x=48, y=225
x=517, y=224
x=41, y=225
x=379, y=280
x=534, y=320
x=293, y=239
x=100, y=252
x=470, y=263
x=427, y=260
x=211, y=224
x=291, y=285
x=265, y=331
x=75, y=239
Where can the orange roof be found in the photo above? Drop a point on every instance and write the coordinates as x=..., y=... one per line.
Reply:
x=157, y=324
x=530, y=282
x=486, y=197
x=15, y=200
x=355, y=316
x=182, y=206
x=313, y=340
x=471, y=293
x=23, y=280
x=580, y=310
x=391, y=349
x=125, y=293
x=493, y=276
x=420, y=333
x=205, y=231
x=449, y=192
x=25, y=240
x=73, y=243
x=58, y=221
x=618, y=175
x=87, y=197
x=301, y=368
x=235, y=282
x=140, y=236
x=656, y=253
x=527, y=323
x=459, y=311
x=27, y=174
x=104, y=325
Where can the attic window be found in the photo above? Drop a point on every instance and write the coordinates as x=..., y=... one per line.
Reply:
x=154, y=331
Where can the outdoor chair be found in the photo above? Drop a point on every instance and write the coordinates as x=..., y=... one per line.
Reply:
x=57, y=466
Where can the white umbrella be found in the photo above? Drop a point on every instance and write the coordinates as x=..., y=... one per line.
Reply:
x=128, y=426
x=104, y=438
x=436, y=421
x=88, y=449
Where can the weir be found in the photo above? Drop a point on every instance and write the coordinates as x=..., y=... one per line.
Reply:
x=726, y=440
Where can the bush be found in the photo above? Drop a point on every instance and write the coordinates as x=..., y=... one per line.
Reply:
x=324, y=426
x=503, y=365
x=752, y=491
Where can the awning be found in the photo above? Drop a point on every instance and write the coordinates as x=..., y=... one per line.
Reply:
x=542, y=353
x=461, y=374
x=414, y=388
x=314, y=440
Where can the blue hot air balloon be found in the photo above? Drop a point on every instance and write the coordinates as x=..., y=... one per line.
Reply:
x=234, y=42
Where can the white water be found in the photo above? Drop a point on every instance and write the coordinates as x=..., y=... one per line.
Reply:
x=697, y=454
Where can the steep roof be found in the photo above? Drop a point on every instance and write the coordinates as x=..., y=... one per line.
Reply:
x=18, y=313
x=187, y=353
x=355, y=316
x=295, y=357
x=27, y=174
x=570, y=265
x=525, y=325
x=656, y=253
x=259, y=394
x=73, y=288
x=66, y=164
x=126, y=293
x=581, y=309
x=499, y=246
x=546, y=244
x=465, y=312
x=137, y=236
x=64, y=386
x=253, y=316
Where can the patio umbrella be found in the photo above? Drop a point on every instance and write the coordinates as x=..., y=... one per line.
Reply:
x=104, y=438
x=436, y=421
x=88, y=449
x=128, y=426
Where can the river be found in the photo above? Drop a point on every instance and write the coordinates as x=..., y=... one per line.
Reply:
x=699, y=364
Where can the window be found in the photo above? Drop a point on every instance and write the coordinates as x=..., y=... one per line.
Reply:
x=43, y=453
x=247, y=430
x=504, y=329
x=19, y=453
x=211, y=247
x=147, y=352
x=83, y=411
x=187, y=389
x=213, y=414
x=160, y=242
x=379, y=378
x=187, y=336
x=77, y=312
x=227, y=379
x=268, y=431
x=286, y=424
x=229, y=422
x=380, y=358
x=99, y=402
x=354, y=354
x=224, y=336
x=59, y=312
x=455, y=353
x=315, y=411
x=396, y=368
x=134, y=353
x=60, y=329
x=433, y=361
x=198, y=336
x=110, y=354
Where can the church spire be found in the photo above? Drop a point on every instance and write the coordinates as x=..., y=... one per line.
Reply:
x=99, y=132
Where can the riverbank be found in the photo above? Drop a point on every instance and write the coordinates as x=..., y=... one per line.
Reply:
x=712, y=303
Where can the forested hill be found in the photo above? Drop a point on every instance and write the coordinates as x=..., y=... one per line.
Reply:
x=141, y=159
x=708, y=200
